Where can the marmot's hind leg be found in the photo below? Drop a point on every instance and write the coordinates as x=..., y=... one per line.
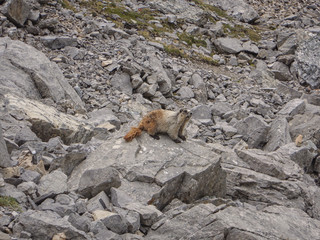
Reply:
x=151, y=128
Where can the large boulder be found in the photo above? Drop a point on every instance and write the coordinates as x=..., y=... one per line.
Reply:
x=47, y=122
x=308, y=61
x=147, y=162
x=207, y=221
x=238, y=9
x=43, y=225
x=27, y=72
x=17, y=11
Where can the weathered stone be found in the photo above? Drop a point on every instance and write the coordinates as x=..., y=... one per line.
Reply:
x=160, y=74
x=206, y=221
x=58, y=42
x=12, y=191
x=80, y=222
x=47, y=122
x=200, y=88
x=132, y=219
x=121, y=81
x=43, y=225
x=55, y=182
x=292, y=108
x=94, y=181
x=55, y=206
x=112, y=221
x=281, y=71
x=308, y=61
x=302, y=155
x=228, y=45
x=148, y=214
x=68, y=162
x=100, y=202
x=25, y=135
x=220, y=108
x=37, y=72
x=5, y=160
x=254, y=131
x=185, y=92
x=274, y=164
x=307, y=126
x=278, y=135
x=178, y=179
x=287, y=42
x=119, y=198
x=17, y=11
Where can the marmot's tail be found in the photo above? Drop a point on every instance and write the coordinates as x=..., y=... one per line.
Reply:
x=134, y=132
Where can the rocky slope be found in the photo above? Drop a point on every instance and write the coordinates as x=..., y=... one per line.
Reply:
x=76, y=75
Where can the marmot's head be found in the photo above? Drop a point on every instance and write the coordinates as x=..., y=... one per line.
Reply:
x=184, y=113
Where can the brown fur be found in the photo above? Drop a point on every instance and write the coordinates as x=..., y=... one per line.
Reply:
x=162, y=121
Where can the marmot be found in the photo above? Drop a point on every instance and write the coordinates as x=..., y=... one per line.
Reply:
x=162, y=121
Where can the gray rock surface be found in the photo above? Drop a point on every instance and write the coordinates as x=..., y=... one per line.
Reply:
x=254, y=130
x=307, y=57
x=45, y=224
x=38, y=71
x=5, y=160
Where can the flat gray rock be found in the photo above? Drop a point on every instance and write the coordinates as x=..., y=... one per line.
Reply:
x=171, y=166
x=43, y=225
x=207, y=221
x=5, y=160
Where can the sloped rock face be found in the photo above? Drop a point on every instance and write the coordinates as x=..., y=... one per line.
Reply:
x=41, y=77
x=47, y=122
x=170, y=166
x=45, y=224
x=232, y=222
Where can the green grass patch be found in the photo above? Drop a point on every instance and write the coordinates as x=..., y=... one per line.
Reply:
x=9, y=202
x=67, y=5
x=175, y=51
x=216, y=10
x=191, y=39
x=241, y=31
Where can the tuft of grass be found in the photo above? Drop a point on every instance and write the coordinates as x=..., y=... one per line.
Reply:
x=217, y=10
x=67, y=5
x=205, y=59
x=191, y=39
x=10, y=202
x=174, y=51
x=241, y=31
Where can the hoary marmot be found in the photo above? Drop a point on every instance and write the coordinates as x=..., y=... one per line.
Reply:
x=162, y=121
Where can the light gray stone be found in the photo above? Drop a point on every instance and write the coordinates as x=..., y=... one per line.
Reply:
x=29, y=175
x=17, y=11
x=228, y=45
x=55, y=182
x=113, y=221
x=25, y=135
x=178, y=179
x=82, y=223
x=12, y=191
x=43, y=225
x=278, y=135
x=94, y=181
x=5, y=160
x=100, y=202
x=37, y=72
x=121, y=81
x=274, y=164
x=308, y=61
x=292, y=108
x=206, y=221
x=220, y=108
x=185, y=92
x=254, y=130
x=281, y=71
x=58, y=42
x=68, y=162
